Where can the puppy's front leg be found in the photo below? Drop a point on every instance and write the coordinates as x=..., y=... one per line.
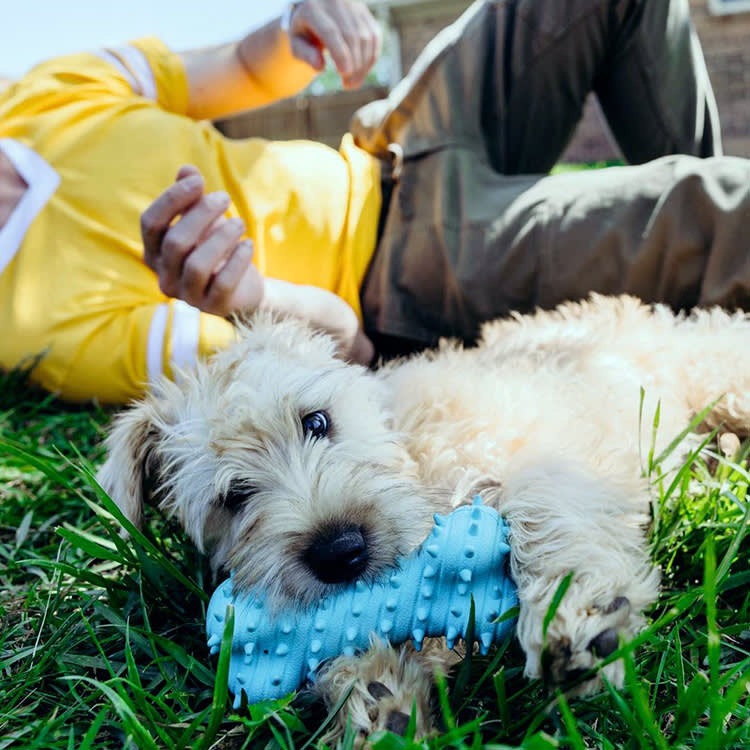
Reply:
x=565, y=520
x=385, y=683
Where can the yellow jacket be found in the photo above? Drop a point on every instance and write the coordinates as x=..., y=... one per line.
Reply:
x=98, y=137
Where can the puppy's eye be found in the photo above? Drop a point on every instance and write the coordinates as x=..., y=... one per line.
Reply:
x=236, y=497
x=316, y=424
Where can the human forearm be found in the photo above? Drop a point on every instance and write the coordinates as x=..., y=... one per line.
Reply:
x=200, y=257
x=255, y=71
x=323, y=310
x=270, y=64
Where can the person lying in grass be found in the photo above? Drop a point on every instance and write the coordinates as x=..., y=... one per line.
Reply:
x=434, y=215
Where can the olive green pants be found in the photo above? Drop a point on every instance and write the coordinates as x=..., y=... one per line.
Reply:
x=474, y=228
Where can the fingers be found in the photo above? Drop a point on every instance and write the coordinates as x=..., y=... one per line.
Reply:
x=362, y=33
x=205, y=258
x=345, y=28
x=187, y=170
x=237, y=286
x=182, y=238
x=308, y=51
x=197, y=253
x=157, y=218
x=373, y=39
x=350, y=62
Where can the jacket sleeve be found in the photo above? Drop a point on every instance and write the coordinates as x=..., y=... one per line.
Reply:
x=145, y=68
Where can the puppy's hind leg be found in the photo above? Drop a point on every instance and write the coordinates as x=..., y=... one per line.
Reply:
x=569, y=525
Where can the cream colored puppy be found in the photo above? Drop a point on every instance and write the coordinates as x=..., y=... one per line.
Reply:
x=301, y=473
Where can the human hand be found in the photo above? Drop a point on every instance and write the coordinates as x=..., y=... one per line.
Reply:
x=324, y=310
x=200, y=258
x=345, y=28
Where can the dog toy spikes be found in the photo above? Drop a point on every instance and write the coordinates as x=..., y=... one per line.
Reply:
x=428, y=595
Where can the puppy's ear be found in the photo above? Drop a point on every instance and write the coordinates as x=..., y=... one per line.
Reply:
x=129, y=474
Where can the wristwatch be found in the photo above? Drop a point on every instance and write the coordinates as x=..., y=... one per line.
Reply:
x=286, y=16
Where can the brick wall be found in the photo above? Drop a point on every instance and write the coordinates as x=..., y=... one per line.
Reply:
x=726, y=47
x=418, y=22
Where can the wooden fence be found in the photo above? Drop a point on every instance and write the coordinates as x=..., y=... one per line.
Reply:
x=322, y=117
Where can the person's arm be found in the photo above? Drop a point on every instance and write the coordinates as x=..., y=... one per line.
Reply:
x=269, y=64
x=199, y=256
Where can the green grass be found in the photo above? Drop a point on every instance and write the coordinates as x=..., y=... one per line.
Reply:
x=562, y=168
x=102, y=646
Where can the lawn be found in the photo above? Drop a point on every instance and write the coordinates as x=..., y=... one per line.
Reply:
x=102, y=645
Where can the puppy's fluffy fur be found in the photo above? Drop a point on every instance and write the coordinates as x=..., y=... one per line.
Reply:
x=542, y=418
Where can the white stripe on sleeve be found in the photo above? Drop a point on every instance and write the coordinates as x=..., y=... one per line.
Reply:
x=186, y=322
x=134, y=65
x=155, y=346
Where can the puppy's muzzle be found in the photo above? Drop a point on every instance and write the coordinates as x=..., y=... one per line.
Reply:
x=338, y=555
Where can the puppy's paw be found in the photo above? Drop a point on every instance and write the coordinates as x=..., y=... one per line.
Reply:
x=384, y=685
x=575, y=647
x=579, y=637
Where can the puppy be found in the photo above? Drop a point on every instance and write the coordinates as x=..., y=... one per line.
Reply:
x=301, y=473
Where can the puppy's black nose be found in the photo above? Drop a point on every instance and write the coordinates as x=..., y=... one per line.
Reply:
x=338, y=555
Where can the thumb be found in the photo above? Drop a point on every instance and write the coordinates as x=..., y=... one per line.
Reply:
x=306, y=50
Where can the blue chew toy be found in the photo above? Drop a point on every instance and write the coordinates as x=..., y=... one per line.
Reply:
x=428, y=594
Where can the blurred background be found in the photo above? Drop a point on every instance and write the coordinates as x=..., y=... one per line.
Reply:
x=33, y=30
x=48, y=27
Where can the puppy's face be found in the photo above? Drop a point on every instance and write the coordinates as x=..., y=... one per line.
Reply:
x=278, y=459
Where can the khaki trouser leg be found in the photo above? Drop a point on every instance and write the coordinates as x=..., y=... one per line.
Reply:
x=674, y=230
x=512, y=77
x=464, y=241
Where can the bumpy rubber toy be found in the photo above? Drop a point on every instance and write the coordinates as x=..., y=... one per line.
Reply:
x=428, y=594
